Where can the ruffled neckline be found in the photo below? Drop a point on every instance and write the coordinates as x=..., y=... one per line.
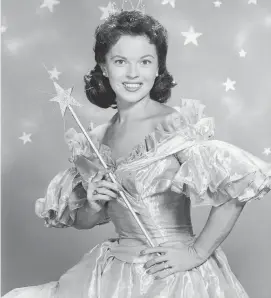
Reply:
x=188, y=119
x=142, y=147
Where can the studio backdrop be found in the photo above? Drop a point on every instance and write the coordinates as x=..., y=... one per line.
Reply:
x=219, y=53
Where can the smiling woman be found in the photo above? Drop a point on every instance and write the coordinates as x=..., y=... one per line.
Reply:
x=165, y=162
x=119, y=63
x=133, y=73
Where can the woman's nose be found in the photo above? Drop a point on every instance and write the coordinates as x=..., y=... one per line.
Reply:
x=132, y=71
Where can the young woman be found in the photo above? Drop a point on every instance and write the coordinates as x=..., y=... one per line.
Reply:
x=165, y=161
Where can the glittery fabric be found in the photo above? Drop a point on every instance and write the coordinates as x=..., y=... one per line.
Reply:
x=176, y=166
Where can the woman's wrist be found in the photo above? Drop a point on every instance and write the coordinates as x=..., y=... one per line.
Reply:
x=201, y=254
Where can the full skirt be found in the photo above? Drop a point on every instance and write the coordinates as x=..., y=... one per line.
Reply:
x=114, y=270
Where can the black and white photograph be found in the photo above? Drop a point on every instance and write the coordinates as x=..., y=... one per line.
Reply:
x=135, y=149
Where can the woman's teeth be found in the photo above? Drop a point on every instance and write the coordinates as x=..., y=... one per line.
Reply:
x=132, y=87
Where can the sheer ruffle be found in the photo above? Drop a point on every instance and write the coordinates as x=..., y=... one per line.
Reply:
x=66, y=192
x=189, y=121
x=214, y=171
x=79, y=145
x=65, y=195
x=57, y=208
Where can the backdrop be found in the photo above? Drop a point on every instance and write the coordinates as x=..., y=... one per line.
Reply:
x=219, y=53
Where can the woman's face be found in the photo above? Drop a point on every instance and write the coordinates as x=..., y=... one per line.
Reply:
x=131, y=66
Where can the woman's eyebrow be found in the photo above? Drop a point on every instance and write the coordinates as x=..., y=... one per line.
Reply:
x=125, y=57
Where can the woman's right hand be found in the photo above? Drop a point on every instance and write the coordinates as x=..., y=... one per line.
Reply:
x=105, y=190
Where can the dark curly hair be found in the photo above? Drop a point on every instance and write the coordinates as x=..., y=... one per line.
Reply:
x=134, y=23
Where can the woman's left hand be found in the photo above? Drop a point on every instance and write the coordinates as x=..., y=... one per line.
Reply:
x=179, y=257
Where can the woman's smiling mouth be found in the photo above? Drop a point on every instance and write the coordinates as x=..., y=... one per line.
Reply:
x=132, y=86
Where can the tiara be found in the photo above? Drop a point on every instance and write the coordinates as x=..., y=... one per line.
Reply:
x=127, y=5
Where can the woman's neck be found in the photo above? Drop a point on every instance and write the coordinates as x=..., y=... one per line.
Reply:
x=135, y=111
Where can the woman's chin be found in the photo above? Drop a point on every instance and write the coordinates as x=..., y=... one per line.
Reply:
x=134, y=97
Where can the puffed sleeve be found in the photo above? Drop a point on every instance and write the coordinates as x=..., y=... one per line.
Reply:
x=66, y=192
x=212, y=172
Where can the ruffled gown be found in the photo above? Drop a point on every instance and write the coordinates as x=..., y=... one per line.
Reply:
x=176, y=166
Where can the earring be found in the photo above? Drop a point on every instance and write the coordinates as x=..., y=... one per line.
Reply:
x=157, y=75
x=104, y=74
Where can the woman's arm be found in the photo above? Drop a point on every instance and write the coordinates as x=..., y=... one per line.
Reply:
x=220, y=222
x=87, y=218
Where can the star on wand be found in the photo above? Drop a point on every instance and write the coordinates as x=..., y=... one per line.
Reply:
x=65, y=101
x=64, y=98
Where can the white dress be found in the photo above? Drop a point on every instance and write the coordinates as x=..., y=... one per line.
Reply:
x=180, y=152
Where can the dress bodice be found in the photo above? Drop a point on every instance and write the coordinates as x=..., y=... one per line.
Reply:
x=164, y=213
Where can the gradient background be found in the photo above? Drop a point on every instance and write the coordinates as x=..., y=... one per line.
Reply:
x=33, y=254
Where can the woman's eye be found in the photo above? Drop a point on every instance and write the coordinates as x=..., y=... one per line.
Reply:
x=146, y=61
x=120, y=60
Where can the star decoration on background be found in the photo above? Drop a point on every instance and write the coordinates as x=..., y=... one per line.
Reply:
x=267, y=151
x=49, y=4
x=229, y=84
x=26, y=138
x=217, y=3
x=54, y=73
x=252, y=2
x=64, y=98
x=171, y=2
x=243, y=53
x=14, y=45
x=106, y=10
x=191, y=36
x=3, y=28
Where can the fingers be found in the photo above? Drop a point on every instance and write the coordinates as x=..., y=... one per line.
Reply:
x=108, y=184
x=102, y=194
x=151, y=250
x=175, y=189
x=99, y=182
x=156, y=268
x=107, y=177
x=105, y=191
x=156, y=260
x=99, y=175
x=101, y=197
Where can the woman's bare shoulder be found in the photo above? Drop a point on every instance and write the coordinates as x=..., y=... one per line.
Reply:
x=163, y=110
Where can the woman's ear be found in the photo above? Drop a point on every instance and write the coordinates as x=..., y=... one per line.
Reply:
x=103, y=68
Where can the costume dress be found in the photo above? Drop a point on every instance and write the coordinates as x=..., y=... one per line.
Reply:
x=180, y=151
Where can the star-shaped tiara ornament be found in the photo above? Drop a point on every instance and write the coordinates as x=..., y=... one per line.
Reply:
x=127, y=5
x=64, y=98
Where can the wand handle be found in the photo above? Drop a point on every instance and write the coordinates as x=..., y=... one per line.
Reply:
x=112, y=177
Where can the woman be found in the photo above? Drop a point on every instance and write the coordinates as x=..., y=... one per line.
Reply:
x=165, y=161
